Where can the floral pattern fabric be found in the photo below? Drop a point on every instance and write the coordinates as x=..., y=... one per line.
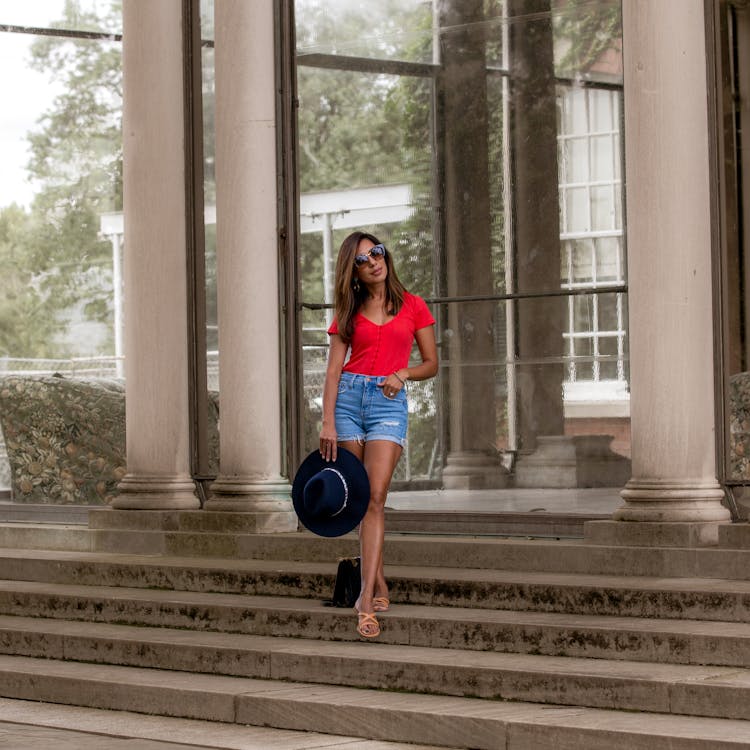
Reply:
x=739, y=425
x=66, y=438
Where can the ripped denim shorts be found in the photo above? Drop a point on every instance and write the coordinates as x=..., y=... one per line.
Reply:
x=364, y=413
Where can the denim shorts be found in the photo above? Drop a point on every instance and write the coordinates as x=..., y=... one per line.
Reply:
x=364, y=413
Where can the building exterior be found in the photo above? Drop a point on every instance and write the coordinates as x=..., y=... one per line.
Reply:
x=568, y=197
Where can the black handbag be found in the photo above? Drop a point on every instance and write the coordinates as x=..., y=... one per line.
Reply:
x=348, y=583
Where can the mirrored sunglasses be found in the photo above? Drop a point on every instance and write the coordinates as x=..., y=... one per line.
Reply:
x=376, y=251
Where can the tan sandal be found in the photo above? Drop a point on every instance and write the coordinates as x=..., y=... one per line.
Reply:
x=381, y=604
x=366, y=620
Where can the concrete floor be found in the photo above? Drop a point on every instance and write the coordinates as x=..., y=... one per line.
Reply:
x=26, y=725
x=591, y=500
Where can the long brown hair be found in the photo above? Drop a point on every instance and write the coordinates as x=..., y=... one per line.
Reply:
x=348, y=299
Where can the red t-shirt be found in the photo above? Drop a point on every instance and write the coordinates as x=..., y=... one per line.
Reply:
x=381, y=350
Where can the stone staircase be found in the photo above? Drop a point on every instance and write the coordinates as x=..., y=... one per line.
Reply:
x=490, y=643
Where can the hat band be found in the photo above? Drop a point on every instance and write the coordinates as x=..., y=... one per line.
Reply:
x=346, y=489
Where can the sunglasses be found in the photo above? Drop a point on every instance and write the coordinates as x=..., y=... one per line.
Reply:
x=376, y=251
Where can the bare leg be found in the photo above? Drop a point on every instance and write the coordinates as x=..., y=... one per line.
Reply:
x=380, y=459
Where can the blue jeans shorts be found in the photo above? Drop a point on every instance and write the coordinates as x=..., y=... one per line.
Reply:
x=364, y=413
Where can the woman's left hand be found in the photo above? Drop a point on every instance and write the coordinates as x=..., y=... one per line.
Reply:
x=391, y=386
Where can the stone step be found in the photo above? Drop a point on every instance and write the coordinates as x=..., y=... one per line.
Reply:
x=600, y=637
x=38, y=513
x=374, y=714
x=483, y=553
x=486, y=553
x=45, y=536
x=651, y=687
x=40, y=726
x=637, y=596
x=549, y=525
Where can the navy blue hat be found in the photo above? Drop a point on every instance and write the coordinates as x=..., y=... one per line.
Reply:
x=331, y=497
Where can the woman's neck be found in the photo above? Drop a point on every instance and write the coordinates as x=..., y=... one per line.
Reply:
x=376, y=291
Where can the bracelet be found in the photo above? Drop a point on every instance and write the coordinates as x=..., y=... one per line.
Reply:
x=403, y=382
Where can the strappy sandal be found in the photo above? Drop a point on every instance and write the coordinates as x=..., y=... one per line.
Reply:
x=381, y=603
x=366, y=620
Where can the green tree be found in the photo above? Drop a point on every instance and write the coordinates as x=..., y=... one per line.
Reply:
x=76, y=160
x=584, y=31
x=59, y=263
x=27, y=313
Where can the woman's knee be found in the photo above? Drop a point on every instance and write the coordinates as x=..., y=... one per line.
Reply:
x=377, y=500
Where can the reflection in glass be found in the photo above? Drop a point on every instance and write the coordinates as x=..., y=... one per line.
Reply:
x=497, y=137
x=390, y=29
x=733, y=22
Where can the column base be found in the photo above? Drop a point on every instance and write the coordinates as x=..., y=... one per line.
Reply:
x=141, y=492
x=664, y=514
x=570, y=461
x=474, y=470
x=270, y=500
x=671, y=501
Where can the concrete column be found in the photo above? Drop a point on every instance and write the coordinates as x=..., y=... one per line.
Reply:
x=472, y=461
x=669, y=262
x=250, y=476
x=156, y=352
x=536, y=224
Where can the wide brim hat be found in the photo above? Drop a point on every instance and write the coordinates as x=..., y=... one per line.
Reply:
x=331, y=497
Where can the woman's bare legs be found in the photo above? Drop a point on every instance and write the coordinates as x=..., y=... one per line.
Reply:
x=380, y=458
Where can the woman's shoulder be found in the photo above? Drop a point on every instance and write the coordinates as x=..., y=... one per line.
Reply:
x=416, y=308
x=412, y=300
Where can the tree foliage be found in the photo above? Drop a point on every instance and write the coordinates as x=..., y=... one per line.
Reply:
x=58, y=257
x=584, y=31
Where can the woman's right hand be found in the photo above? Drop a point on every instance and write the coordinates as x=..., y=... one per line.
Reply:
x=328, y=443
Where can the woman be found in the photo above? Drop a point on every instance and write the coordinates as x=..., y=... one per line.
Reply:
x=364, y=397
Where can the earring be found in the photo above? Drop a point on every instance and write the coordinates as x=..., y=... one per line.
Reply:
x=355, y=286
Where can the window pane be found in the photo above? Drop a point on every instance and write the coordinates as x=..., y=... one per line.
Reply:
x=603, y=106
x=582, y=260
x=588, y=40
x=61, y=202
x=602, y=208
x=577, y=210
x=476, y=205
x=84, y=15
x=398, y=30
x=575, y=119
x=583, y=313
x=575, y=160
x=607, y=252
x=602, y=159
x=608, y=312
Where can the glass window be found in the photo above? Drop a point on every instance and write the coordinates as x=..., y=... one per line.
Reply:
x=490, y=167
x=61, y=228
x=61, y=191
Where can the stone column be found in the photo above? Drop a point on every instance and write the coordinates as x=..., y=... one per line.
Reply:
x=473, y=460
x=250, y=477
x=156, y=351
x=673, y=488
x=536, y=226
x=545, y=458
